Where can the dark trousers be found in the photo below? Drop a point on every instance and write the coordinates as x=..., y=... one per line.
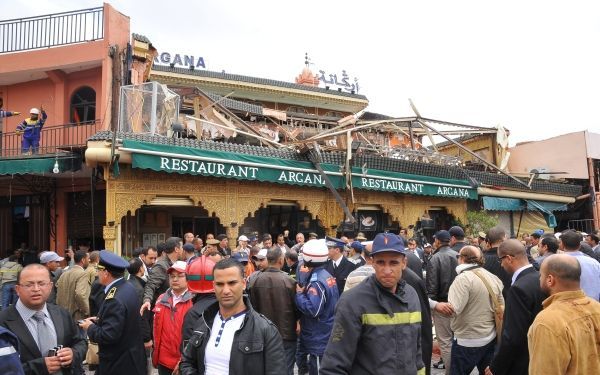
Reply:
x=290, y=355
x=314, y=364
x=162, y=370
x=464, y=358
x=301, y=361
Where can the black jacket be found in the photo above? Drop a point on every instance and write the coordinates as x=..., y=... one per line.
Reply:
x=341, y=272
x=118, y=332
x=414, y=263
x=257, y=347
x=201, y=302
x=441, y=271
x=523, y=303
x=375, y=331
x=491, y=264
x=67, y=335
x=416, y=281
x=146, y=322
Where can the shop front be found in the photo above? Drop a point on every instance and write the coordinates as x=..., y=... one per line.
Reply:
x=216, y=190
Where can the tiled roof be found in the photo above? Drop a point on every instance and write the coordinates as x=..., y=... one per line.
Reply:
x=370, y=161
x=254, y=80
x=235, y=105
x=141, y=38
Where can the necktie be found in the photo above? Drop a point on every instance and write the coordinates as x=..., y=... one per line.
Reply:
x=46, y=340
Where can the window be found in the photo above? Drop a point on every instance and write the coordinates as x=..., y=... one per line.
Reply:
x=83, y=106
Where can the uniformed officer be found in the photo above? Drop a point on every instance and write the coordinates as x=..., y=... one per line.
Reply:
x=338, y=265
x=316, y=301
x=117, y=327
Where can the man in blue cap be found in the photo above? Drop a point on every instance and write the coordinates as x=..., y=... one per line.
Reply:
x=337, y=265
x=377, y=324
x=116, y=329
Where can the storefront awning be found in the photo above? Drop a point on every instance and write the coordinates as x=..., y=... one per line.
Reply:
x=33, y=165
x=515, y=204
x=195, y=161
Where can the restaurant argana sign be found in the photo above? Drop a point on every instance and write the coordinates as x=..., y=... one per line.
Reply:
x=175, y=159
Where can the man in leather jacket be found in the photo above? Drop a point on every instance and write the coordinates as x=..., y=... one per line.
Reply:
x=441, y=271
x=230, y=337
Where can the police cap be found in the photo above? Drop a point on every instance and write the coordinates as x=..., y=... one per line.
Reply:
x=112, y=261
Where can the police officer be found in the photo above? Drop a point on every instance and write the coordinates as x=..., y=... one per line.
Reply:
x=31, y=128
x=117, y=327
x=316, y=301
x=338, y=265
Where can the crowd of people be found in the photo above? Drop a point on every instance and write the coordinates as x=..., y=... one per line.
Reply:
x=320, y=306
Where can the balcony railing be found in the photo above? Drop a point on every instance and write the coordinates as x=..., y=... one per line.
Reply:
x=53, y=139
x=51, y=30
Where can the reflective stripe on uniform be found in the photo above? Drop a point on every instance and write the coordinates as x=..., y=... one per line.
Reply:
x=386, y=319
x=421, y=371
x=7, y=350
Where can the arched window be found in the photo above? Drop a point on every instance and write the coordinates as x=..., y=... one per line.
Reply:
x=83, y=106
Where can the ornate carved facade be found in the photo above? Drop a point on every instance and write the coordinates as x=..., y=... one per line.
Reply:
x=233, y=201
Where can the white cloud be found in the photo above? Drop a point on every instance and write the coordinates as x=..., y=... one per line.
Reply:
x=531, y=66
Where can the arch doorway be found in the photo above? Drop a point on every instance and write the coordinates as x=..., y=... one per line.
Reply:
x=278, y=216
x=153, y=224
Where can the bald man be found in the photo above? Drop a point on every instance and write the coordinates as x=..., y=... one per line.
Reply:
x=564, y=337
x=523, y=302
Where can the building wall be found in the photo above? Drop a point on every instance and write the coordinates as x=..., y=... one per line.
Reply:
x=233, y=201
x=482, y=146
x=54, y=92
x=565, y=153
x=55, y=97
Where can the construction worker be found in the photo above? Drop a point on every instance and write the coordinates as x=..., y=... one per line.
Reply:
x=4, y=113
x=31, y=128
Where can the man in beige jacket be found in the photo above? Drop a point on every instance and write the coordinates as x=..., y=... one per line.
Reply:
x=73, y=289
x=473, y=323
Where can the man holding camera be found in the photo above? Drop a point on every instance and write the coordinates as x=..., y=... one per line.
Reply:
x=50, y=341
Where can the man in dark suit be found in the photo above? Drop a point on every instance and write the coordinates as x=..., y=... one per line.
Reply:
x=495, y=237
x=337, y=265
x=40, y=326
x=117, y=327
x=523, y=303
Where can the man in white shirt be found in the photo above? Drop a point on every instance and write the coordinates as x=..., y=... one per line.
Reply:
x=232, y=323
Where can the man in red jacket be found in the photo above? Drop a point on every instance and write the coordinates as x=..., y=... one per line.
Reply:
x=169, y=311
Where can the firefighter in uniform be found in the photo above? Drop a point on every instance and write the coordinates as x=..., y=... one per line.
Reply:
x=316, y=301
x=117, y=328
x=31, y=128
x=377, y=327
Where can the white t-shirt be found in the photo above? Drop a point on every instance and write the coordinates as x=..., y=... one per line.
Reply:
x=218, y=348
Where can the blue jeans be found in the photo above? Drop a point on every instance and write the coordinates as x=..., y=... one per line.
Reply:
x=289, y=348
x=464, y=358
x=9, y=296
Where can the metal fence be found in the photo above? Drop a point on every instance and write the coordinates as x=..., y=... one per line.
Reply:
x=583, y=225
x=51, y=30
x=53, y=139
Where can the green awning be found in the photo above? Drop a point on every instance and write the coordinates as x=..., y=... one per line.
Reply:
x=32, y=165
x=503, y=204
x=183, y=160
x=515, y=204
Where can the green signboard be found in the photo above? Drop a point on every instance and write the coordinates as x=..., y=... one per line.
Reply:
x=175, y=159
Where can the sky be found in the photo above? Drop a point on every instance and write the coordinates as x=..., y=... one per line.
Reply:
x=530, y=66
